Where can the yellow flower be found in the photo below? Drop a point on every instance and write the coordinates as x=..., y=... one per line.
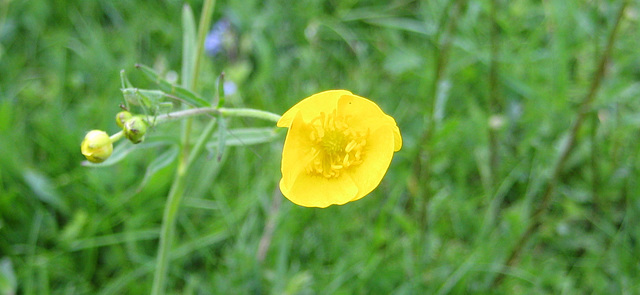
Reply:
x=338, y=148
x=96, y=146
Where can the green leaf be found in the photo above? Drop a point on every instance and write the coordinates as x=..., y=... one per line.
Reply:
x=178, y=91
x=404, y=24
x=222, y=137
x=220, y=92
x=125, y=84
x=44, y=189
x=8, y=282
x=246, y=136
x=153, y=97
x=188, y=45
x=6, y=114
x=73, y=229
x=142, y=97
x=124, y=80
x=122, y=150
x=164, y=160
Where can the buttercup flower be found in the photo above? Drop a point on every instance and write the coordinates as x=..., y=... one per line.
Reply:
x=96, y=146
x=338, y=148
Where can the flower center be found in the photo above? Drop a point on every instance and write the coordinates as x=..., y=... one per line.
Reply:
x=336, y=146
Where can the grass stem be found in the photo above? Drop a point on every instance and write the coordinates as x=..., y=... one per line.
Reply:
x=421, y=176
x=583, y=110
x=494, y=96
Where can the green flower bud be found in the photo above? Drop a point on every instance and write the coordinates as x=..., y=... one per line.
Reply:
x=135, y=128
x=96, y=146
x=122, y=117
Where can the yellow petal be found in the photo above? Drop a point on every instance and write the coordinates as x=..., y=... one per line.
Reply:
x=377, y=157
x=397, y=138
x=312, y=106
x=372, y=137
x=366, y=114
x=305, y=189
x=296, y=152
x=310, y=190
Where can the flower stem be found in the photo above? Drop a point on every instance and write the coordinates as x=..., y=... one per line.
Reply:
x=198, y=148
x=250, y=113
x=117, y=136
x=167, y=232
x=258, y=114
x=177, y=189
x=168, y=229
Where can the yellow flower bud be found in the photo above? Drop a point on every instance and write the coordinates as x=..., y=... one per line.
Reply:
x=96, y=146
x=135, y=129
x=122, y=117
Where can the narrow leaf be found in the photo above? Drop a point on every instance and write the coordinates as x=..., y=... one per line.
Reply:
x=222, y=137
x=125, y=80
x=44, y=189
x=164, y=160
x=404, y=24
x=8, y=282
x=178, y=91
x=122, y=150
x=188, y=45
x=125, y=84
x=220, y=92
x=245, y=136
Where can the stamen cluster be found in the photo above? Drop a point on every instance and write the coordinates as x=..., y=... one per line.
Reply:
x=336, y=145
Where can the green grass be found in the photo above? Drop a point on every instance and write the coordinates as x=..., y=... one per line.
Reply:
x=446, y=217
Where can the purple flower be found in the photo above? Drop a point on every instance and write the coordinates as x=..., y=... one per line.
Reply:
x=230, y=88
x=213, y=43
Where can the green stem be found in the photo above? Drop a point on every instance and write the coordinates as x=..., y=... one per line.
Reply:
x=177, y=188
x=198, y=148
x=494, y=98
x=249, y=113
x=583, y=110
x=117, y=136
x=421, y=177
x=168, y=230
x=258, y=114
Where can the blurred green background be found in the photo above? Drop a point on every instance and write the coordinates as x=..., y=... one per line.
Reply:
x=496, y=85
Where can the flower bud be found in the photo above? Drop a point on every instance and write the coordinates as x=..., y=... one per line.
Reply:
x=122, y=117
x=135, y=128
x=96, y=146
